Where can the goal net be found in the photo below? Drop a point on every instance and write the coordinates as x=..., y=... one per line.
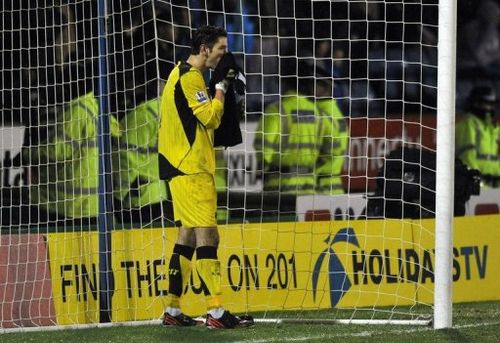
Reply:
x=325, y=208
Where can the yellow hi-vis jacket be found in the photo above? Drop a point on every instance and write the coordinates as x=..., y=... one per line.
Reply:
x=293, y=142
x=68, y=163
x=138, y=183
x=477, y=144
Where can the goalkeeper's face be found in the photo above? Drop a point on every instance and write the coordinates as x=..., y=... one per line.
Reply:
x=214, y=54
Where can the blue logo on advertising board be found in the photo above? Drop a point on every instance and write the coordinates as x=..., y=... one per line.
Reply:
x=339, y=282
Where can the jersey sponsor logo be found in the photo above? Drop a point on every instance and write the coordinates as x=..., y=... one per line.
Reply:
x=201, y=97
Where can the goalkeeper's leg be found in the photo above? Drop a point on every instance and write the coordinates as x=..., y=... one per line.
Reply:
x=208, y=269
x=179, y=271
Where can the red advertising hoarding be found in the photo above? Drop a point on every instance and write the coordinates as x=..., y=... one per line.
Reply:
x=25, y=282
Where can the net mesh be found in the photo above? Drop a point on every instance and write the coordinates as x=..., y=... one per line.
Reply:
x=306, y=220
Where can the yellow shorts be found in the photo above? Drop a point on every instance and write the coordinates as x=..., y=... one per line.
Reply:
x=194, y=199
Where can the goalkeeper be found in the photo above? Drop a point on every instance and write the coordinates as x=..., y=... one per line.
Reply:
x=187, y=160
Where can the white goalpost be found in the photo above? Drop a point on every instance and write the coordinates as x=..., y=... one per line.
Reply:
x=336, y=207
x=445, y=166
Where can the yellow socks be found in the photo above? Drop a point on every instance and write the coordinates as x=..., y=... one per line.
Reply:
x=208, y=268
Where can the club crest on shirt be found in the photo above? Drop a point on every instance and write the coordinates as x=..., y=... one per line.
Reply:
x=201, y=96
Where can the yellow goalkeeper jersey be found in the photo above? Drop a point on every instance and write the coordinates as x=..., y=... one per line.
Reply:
x=188, y=119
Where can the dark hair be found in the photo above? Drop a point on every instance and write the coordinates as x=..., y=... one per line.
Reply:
x=206, y=35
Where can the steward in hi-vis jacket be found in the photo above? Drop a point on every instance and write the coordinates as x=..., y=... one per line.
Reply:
x=67, y=163
x=294, y=144
x=477, y=136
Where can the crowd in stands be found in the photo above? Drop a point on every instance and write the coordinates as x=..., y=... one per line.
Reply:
x=381, y=56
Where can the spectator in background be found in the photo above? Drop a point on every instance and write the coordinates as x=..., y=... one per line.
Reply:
x=65, y=172
x=477, y=137
x=295, y=142
x=479, y=40
x=330, y=61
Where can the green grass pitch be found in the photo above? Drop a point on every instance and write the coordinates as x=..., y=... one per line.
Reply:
x=472, y=322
